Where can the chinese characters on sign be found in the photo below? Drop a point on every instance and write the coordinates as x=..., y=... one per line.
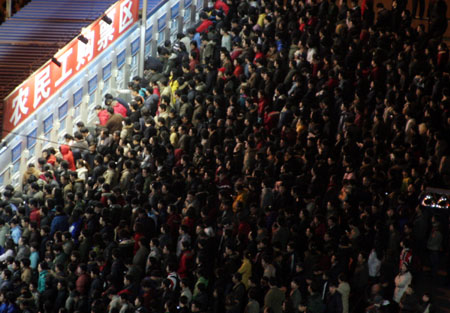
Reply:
x=66, y=70
x=126, y=15
x=106, y=32
x=41, y=86
x=45, y=82
x=19, y=105
x=85, y=52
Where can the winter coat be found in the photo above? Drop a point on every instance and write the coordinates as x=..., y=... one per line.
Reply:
x=68, y=156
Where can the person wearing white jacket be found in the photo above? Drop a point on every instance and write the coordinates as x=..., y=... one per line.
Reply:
x=402, y=281
x=374, y=264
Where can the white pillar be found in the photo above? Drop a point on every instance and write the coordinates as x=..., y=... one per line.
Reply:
x=8, y=8
x=142, y=41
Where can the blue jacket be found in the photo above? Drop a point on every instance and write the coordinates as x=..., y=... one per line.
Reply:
x=59, y=223
x=16, y=233
x=34, y=259
x=41, y=281
x=4, y=307
x=75, y=229
x=12, y=308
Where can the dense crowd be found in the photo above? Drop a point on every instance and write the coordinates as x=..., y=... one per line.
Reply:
x=271, y=160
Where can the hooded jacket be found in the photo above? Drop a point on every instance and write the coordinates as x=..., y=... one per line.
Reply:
x=68, y=156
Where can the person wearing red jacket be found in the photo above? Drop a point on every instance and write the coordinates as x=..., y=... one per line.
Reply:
x=83, y=280
x=302, y=24
x=237, y=51
x=186, y=259
x=271, y=120
x=442, y=55
x=206, y=23
x=258, y=53
x=156, y=89
x=68, y=156
x=262, y=103
x=119, y=108
x=49, y=155
x=238, y=69
x=35, y=215
x=193, y=61
x=220, y=5
x=103, y=115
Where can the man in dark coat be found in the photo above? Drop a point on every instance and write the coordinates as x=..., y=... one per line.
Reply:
x=315, y=303
x=117, y=268
x=334, y=300
x=438, y=16
x=238, y=291
x=140, y=258
x=274, y=297
x=384, y=17
x=60, y=222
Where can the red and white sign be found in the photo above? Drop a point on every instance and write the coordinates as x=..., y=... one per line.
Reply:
x=46, y=81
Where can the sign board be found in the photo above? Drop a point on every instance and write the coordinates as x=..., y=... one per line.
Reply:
x=72, y=59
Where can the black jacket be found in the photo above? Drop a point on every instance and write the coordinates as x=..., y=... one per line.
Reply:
x=334, y=303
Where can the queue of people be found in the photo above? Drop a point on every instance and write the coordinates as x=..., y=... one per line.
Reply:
x=271, y=160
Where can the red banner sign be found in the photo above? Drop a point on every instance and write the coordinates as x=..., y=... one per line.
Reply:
x=45, y=82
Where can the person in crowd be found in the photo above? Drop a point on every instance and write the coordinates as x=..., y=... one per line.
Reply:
x=275, y=165
x=402, y=283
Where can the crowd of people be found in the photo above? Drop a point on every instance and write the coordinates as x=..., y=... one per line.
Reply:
x=271, y=160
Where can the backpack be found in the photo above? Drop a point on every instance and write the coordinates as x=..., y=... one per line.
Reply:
x=175, y=282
